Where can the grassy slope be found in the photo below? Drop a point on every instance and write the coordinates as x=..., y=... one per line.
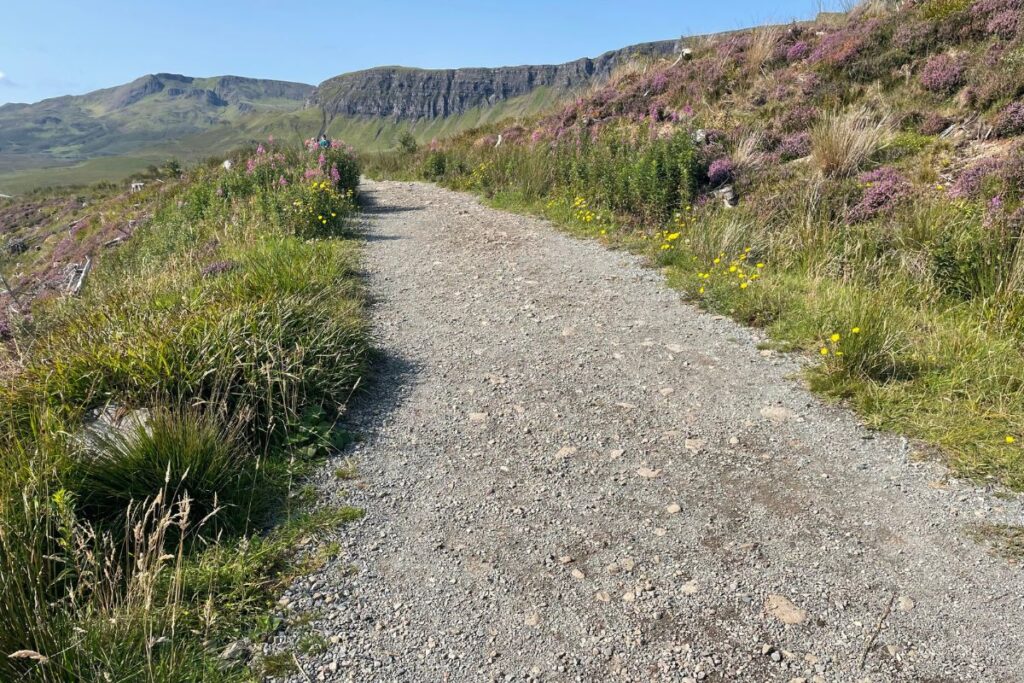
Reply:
x=235, y=316
x=911, y=297
x=366, y=134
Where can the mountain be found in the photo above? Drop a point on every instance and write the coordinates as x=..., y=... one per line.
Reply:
x=113, y=132
x=149, y=110
x=412, y=94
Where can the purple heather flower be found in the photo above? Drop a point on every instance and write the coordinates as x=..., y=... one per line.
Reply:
x=943, y=74
x=883, y=189
x=1010, y=120
x=971, y=180
x=798, y=51
x=795, y=146
x=721, y=171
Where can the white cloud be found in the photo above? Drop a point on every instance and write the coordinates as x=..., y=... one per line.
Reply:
x=2, y=75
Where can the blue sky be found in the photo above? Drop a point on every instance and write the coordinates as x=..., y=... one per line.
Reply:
x=62, y=47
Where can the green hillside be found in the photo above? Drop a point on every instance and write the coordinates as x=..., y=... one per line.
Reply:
x=365, y=133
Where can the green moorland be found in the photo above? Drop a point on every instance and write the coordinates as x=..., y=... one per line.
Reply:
x=364, y=133
x=228, y=332
x=878, y=160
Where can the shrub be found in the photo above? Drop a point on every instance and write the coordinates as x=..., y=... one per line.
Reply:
x=798, y=51
x=799, y=118
x=935, y=123
x=435, y=165
x=407, y=143
x=321, y=209
x=881, y=191
x=914, y=36
x=1010, y=120
x=843, y=142
x=970, y=182
x=943, y=74
x=721, y=171
x=795, y=146
x=940, y=10
x=1004, y=24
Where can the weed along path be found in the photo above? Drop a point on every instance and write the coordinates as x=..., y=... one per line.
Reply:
x=571, y=475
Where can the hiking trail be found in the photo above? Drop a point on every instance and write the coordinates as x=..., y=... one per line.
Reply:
x=569, y=474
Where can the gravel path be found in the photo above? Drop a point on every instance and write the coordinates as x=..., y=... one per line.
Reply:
x=571, y=475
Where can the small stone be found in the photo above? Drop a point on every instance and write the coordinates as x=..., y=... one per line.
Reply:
x=689, y=588
x=673, y=508
x=577, y=574
x=565, y=451
x=674, y=348
x=602, y=596
x=660, y=531
x=905, y=603
x=627, y=563
x=733, y=441
x=666, y=391
x=532, y=618
x=777, y=413
x=776, y=656
x=565, y=559
x=568, y=331
x=478, y=417
x=628, y=596
x=783, y=609
x=615, y=453
x=693, y=444
x=647, y=472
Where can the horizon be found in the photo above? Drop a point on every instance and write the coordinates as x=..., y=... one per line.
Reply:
x=457, y=36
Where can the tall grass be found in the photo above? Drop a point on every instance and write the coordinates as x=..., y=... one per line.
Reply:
x=233, y=324
x=844, y=141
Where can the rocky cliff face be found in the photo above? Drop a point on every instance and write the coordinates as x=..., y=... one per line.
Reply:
x=409, y=94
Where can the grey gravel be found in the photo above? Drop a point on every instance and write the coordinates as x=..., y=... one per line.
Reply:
x=539, y=508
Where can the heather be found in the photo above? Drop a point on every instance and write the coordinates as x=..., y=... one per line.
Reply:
x=156, y=427
x=860, y=172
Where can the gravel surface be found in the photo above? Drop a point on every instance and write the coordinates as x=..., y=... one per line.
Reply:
x=571, y=475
